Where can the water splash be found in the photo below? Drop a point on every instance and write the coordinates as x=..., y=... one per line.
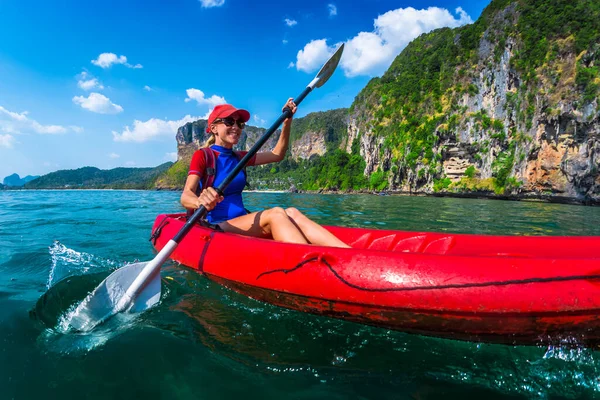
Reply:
x=63, y=340
x=72, y=276
x=68, y=262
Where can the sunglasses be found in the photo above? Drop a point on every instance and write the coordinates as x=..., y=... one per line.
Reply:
x=229, y=121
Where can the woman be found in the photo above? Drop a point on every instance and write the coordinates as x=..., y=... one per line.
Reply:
x=225, y=124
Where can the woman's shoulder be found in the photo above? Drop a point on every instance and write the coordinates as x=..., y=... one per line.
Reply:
x=199, y=156
x=205, y=152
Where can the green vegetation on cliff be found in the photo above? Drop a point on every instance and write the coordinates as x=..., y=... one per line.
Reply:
x=420, y=99
x=332, y=125
x=335, y=169
x=175, y=176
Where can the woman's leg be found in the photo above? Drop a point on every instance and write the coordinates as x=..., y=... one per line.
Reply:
x=312, y=231
x=273, y=223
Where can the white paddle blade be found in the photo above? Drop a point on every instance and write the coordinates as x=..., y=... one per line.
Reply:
x=108, y=297
x=329, y=67
x=149, y=296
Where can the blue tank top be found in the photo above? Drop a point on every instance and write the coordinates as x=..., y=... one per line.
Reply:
x=232, y=205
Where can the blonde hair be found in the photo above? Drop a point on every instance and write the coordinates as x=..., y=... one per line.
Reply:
x=210, y=141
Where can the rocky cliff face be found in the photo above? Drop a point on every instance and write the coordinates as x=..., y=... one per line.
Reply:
x=494, y=123
x=309, y=143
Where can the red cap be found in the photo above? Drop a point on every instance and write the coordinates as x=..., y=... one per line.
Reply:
x=224, y=111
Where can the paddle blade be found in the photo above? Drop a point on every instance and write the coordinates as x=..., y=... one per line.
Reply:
x=108, y=297
x=329, y=67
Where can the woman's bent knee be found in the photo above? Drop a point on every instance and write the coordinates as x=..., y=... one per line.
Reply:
x=275, y=213
x=293, y=213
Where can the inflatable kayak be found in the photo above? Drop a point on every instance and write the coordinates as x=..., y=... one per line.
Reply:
x=506, y=289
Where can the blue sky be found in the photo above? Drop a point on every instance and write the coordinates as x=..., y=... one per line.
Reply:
x=106, y=84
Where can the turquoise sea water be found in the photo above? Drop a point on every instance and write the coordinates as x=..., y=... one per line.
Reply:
x=206, y=342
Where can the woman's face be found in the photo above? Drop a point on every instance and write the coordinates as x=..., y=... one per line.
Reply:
x=227, y=131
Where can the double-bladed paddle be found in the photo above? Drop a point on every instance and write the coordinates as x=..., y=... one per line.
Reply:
x=136, y=287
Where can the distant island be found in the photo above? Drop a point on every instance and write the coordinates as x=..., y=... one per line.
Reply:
x=16, y=181
x=95, y=178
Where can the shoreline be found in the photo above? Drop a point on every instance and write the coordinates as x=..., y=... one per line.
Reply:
x=529, y=197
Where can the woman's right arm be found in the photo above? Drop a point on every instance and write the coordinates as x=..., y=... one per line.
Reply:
x=208, y=198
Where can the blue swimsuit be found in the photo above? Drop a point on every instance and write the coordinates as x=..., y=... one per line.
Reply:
x=232, y=205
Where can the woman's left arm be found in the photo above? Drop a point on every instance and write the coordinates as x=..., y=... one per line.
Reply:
x=278, y=153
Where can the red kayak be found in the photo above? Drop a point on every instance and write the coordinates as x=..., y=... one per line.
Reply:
x=505, y=289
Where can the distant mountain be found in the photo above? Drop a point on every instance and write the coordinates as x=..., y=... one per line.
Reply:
x=94, y=178
x=15, y=180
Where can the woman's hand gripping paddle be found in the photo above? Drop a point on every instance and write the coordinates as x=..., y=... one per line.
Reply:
x=136, y=287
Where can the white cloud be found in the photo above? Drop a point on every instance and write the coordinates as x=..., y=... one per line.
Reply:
x=7, y=141
x=87, y=82
x=371, y=53
x=284, y=41
x=15, y=123
x=98, y=103
x=147, y=88
x=198, y=96
x=130, y=164
x=290, y=22
x=313, y=55
x=212, y=3
x=171, y=156
x=51, y=129
x=76, y=129
x=113, y=155
x=13, y=115
x=90, y=84
x=332, y=10
x=258, y=120
x=291, y=64
x=106, y=60
x=153, y=128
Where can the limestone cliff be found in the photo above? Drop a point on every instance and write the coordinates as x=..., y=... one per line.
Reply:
x=508, y=105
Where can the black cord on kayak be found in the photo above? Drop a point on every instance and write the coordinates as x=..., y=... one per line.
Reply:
x=158, y=230
x=433, y=287
x=287, y=271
